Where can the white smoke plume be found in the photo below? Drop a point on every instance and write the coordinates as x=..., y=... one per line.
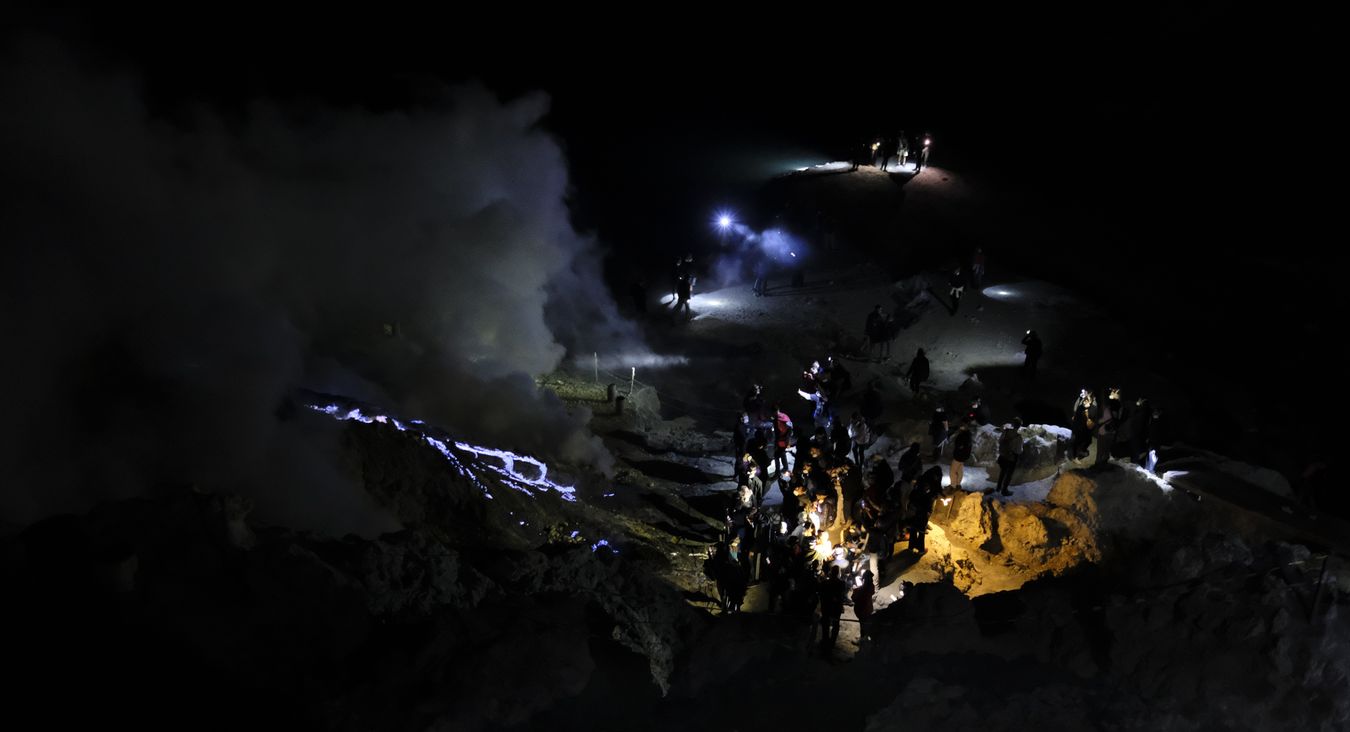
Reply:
x=168, y=283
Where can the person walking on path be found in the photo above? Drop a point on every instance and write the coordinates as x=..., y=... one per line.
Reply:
x=1009, y=452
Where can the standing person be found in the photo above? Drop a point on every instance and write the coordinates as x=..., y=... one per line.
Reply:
x=686, y=286
x=977, y=269
x=1080, y=424
x=961, y=448
x=832, y=592
x=863, y=607
x=921, y=507
x=1009, y=452
x=918, y=371
x=878, y=154
x=821, y=413
x=841, y=440
x=755, y=483
x=840, y=379
x=1033, y=344
x=902, y=149
x=1107, y=422
x=923, y=153
x=782, y=440
x=860, y=435
x=956, y=287
x=874, y=330
x=885, y=155
x=937, y=429
x=761, y=276
x=740, y=439
x=1157, y=437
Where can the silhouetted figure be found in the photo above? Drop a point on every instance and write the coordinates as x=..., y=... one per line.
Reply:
x=923, y=152
x=1033, y=344
x=956, y=286
x=902, y=149
x=1158, y=436
x=685, y=285
x=863, y=606
x=761, y=276
x=977, y=269
x=1081, y=424
x=832, y=593
x=918, y=371
x=961, y=447
x=840, y=379
x=921, y=500
x=1107, y=423
x=861, y=153
x=1009, y=452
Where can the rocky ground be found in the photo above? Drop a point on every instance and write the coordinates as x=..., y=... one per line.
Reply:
x=1093, y=598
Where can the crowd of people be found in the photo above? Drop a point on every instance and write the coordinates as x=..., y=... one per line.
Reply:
x=884, y=151
x=845, y=511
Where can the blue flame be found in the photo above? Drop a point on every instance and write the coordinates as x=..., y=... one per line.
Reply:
x=507, y=471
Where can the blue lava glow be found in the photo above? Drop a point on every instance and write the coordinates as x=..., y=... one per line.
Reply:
x=521, y=472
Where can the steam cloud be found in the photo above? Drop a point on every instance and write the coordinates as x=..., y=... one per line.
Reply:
x=169, y=283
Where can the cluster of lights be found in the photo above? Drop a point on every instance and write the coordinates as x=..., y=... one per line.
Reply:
x=453, y=452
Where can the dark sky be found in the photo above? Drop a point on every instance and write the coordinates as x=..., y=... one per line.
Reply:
x=1190, y=134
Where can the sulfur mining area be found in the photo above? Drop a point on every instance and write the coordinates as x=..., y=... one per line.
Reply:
x=800, y=391
x=522, y=595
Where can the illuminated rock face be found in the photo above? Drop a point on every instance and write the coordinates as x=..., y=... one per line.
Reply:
x=1086, y=518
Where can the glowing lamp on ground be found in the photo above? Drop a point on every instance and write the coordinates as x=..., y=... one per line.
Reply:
x=823, y=549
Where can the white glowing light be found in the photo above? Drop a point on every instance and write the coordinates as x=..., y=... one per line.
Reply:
x=535, y=478
x=823, y=549
x=782, y=527
x=724, y=221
